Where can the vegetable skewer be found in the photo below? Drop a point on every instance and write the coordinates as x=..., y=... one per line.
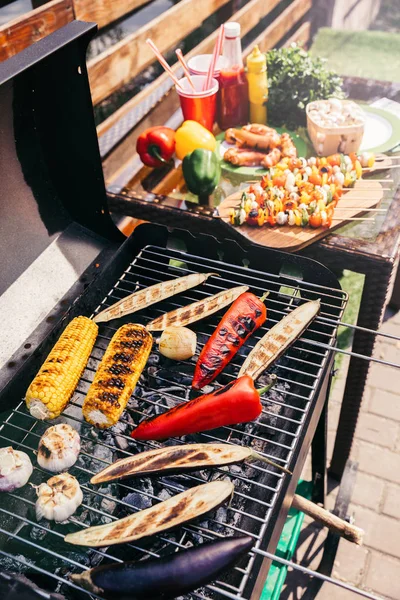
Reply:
x=151, y=295
x=166, y=577
x=163, y=516
x=117, y=375
x=245, y=315
x=277, y=339
x=197, y=310
x=176, y=459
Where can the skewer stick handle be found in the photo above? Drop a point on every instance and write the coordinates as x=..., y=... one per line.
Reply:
x=347, y=530
x=359, y=208
x=352, y=219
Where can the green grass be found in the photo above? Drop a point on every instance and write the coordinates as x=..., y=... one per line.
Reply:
x=370, y=54
x=353, y=284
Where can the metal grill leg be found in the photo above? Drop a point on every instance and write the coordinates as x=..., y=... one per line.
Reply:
x=372, y=305
x=318, y=456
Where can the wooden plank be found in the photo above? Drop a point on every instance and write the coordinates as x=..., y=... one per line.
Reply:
x=270, y=37
x=104, y=12
x=31, y=27
x=248, y=17
x=300, y=36
x=293, y=239
x=121, y=62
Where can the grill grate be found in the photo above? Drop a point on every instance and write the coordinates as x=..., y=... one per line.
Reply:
x=26, y=545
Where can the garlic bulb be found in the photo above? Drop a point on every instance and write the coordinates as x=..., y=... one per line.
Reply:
x=178, y=343
x=59, y=498
x=15, y=469
x=58, y=448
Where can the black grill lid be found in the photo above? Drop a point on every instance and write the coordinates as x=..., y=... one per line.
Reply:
x=53, y=205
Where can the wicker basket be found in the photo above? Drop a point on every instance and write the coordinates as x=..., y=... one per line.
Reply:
x=328, y=140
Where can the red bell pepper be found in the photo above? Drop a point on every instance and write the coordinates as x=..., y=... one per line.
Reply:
x=237, y=402
x=243, y=317
x=156, y=146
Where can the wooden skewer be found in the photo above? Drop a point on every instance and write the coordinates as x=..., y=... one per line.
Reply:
x=343, y=528
x=359, y=208
x=352, y=219
x=365, y=189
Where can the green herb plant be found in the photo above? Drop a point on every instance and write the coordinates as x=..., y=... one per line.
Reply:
x=296, y=78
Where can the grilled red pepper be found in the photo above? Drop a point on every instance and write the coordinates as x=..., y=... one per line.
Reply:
x=156, y=146
x=237, y=402
x=243, y=317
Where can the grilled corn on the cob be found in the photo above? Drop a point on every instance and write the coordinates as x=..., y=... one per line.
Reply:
x=117, y=375
x=53, y=386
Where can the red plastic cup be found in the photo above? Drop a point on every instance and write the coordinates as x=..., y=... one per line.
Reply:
x=199, y=105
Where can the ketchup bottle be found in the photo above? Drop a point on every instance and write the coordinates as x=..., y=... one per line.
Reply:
x=233, y=108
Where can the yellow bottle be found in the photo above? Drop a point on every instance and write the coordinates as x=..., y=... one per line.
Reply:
x=258, y=85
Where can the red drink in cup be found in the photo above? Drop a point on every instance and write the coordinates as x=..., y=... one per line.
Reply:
x=198, y=105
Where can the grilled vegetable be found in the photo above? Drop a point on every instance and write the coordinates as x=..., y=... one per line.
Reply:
x=151, y=295
x=15, y=469
x=197, y=310
x=166, y=577
x=178, y=343
x=237, y=402
x=161, y=517
x=245, y=315
x=53, y=386
x=58, y=448
x=177, y=459
x=117, y=375
x=59, y=498
x=277, y=339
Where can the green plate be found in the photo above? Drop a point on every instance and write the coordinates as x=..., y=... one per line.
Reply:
x=222, y=146
x=382, y=130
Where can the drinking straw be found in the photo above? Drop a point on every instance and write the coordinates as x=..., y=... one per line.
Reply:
x=216, y=53
x=185, y=68
x=163, y=62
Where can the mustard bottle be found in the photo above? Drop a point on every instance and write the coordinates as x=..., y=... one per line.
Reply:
x=258, y=85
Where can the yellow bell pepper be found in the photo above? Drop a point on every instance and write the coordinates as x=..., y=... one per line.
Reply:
x=358, y=168
x=190, y=136
x=297, y=218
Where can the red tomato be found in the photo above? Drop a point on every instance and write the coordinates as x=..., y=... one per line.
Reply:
x=315, y=178
x=334, y=159
x=315, y=220
x=279, y=181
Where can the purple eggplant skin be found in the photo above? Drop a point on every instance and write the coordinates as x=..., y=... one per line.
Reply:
x=167, y=577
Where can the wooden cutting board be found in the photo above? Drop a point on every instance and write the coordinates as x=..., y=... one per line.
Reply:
x=365, y=194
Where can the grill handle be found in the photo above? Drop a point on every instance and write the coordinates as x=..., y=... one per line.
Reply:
x=343, y=528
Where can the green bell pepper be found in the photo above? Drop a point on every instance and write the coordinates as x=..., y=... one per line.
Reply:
x=202, y=171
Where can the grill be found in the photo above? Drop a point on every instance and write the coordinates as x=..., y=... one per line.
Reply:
x=284, y=431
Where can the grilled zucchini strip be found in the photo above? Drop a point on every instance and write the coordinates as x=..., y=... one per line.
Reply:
x=53, y=386
x=279, y=338
x=184, y=507
x=151, y=295
x=197, y=310
x=117, y=375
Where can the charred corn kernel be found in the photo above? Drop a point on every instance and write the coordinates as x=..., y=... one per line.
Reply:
x=53, y=386
x=117, y=375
